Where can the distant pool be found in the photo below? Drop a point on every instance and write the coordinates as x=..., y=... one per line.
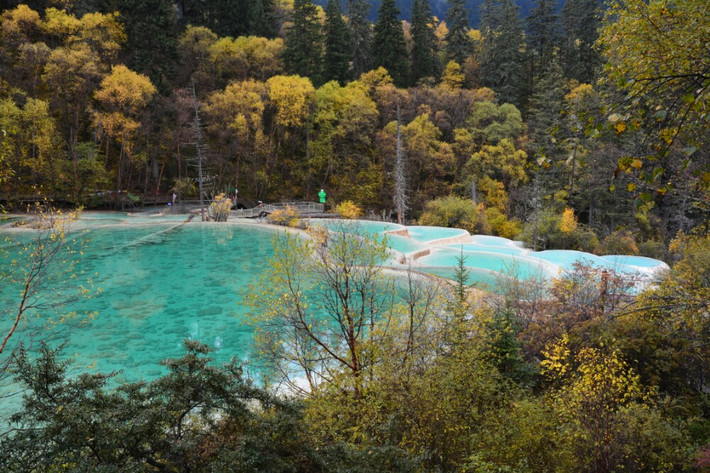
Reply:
x=432, y=234
x=518, y=266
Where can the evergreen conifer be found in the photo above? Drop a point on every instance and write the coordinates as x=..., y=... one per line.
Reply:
x=458, y=43
x=304, y=42
x=424, y=59
x=502, y=55
x=581, y=21
x=390, y=50
x=337, y=45
x=360, y=36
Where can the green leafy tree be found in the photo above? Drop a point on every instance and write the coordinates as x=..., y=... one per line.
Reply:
x=388, y=46
x=655, y=55
x=337, y=45
x=198, y=417
x=490, y=123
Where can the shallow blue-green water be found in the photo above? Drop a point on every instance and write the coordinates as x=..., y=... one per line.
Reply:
x=142, y=284
x=147, y=292
x=428, y=234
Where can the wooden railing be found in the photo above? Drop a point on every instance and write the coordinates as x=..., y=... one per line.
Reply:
x=304, y=208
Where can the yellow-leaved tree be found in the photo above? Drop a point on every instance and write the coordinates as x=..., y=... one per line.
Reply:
x=568, y=223
x=592, y=390
x=657, y=55
x=122, y=97
x=240, y=106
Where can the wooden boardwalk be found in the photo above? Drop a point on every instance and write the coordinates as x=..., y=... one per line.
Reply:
x=305, y=208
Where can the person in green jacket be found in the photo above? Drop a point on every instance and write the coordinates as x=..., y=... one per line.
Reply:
x=321, y=196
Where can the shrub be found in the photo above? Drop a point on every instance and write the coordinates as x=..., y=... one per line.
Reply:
x=185, y=187
x=455, y=212
x=348, y=210
x=219, y=209
x=500, y=225
x=287, y=217
x=550, y=233
x=619, y=243
x=653, y=249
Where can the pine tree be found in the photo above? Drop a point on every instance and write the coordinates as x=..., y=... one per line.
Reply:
x=546, y=129
x=425, y=62
x=543, y=36
x=261, y=18
x=304, y=42
x=458, y=43
x=502, y=55
x=151, y=45
x=360, y=36
x=337, y=45
x=545, y=111
x=580, y=22
x=390, y=50
x=228, y=17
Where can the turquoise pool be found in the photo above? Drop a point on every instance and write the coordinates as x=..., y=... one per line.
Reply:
x=154, y=283
x=494, y=256
x=638, y=261
x=503, y=250
x=519, y=266
x=149, y=291
x=431, y=234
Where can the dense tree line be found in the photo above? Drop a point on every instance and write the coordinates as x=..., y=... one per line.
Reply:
x=97, y=97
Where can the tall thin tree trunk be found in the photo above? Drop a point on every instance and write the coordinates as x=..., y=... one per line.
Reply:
x=198, y=145
x=536, y=203
x=400, y=179
x=574, y=162
x=473, y=191
x=118, y=176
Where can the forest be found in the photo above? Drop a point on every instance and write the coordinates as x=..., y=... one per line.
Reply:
x=582, y=126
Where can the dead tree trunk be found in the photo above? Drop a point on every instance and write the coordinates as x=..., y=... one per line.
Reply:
x=400, y=175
